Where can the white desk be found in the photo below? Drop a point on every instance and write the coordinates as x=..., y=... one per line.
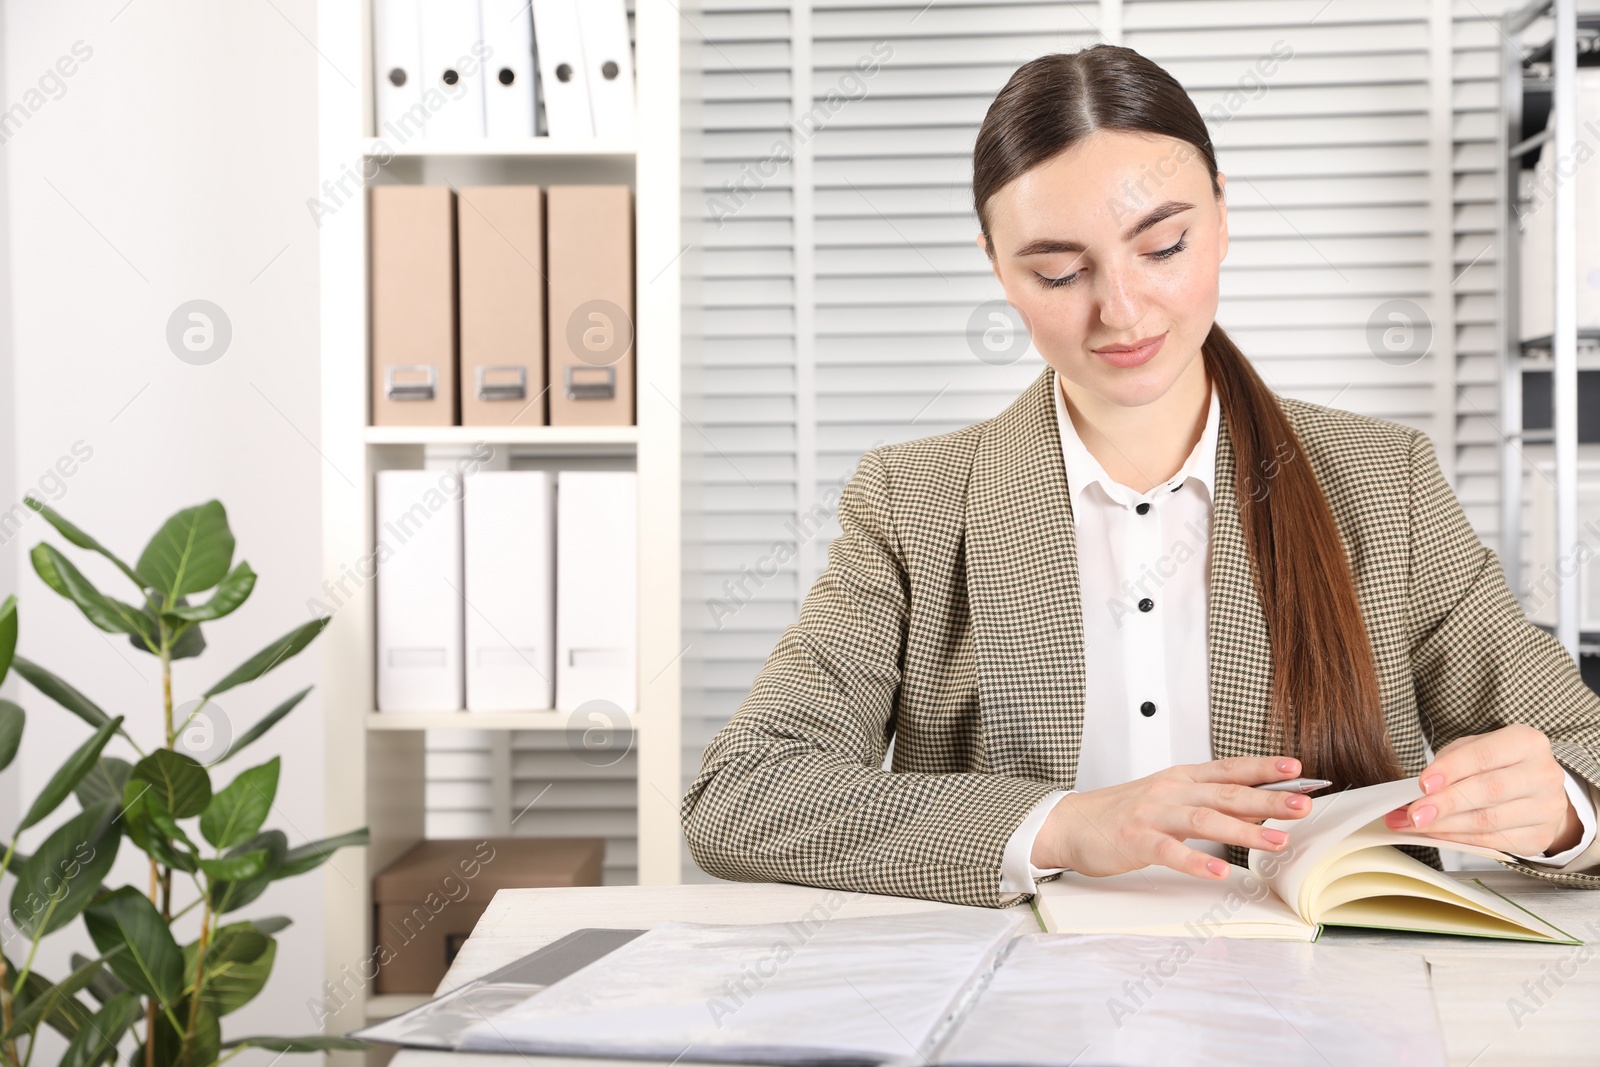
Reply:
x=1473, y=979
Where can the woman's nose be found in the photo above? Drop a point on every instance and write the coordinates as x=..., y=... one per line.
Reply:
x=1117, y=296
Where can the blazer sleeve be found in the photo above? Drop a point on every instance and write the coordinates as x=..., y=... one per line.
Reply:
x=1478, y=662
x=793, y=788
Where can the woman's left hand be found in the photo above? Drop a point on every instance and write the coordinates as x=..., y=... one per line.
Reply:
x=1502, y=789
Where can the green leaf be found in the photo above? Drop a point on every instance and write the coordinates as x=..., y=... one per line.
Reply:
x=142, y=819
x=52, y=998
x=169, y=1042
x=283, y=648
x=59, y=691
x=101, y=1034
x=240, y=868
x=238, y=963
x=190, y=641
x=305, y=1043
x=8, y=634
x=234, y=591
x=106, y=780
x=178, y=780
x=66, y=1015
x=162, y=819
x=272, y=924
x=151, y=962
x=12, y=719
x=104, y=985
x=60, y=879
x=189, y=554
x=314, y=854
x=70, y=773
x=267, y=722
x=108, y=613
x=82, y=540
x=230, y=896
x=238, y=811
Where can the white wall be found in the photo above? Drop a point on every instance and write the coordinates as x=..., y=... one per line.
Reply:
x=173, y=164
x=10, y=810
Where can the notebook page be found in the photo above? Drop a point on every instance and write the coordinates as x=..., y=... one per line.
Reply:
x=832, y=990
x=1161, y=901
x=1121, y=1001
x=1311, y=839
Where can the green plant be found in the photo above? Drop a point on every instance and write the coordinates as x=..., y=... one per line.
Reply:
x=144, y=986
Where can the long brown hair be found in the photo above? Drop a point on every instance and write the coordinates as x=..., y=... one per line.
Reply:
x=1327, y=708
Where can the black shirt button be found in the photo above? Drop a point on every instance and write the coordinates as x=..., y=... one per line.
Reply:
x=1147, y=709
x=1142, y=508
x=1146, y=604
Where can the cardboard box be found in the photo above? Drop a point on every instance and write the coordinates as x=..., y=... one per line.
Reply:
x=426, y=903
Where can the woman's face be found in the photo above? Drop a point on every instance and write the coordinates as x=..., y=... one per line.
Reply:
x=1114, y=242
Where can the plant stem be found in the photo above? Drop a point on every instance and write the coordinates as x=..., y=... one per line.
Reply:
x=10, y=1049
x=166, y=684
x=33, y=948
x=199, y=986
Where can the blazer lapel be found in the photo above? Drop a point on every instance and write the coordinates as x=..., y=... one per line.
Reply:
x=1024, y=597
x=1023, y=594
x=1240, y=646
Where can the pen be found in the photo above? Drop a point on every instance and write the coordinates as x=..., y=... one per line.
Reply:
x=1298, y=785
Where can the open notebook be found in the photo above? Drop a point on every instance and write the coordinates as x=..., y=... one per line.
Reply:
x=964, y=987
x=1339, y=870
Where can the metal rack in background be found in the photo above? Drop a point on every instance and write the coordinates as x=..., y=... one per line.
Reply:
x=1558, y=352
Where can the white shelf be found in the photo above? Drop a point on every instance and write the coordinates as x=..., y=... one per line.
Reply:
x=565, y=437
x=382, y=1006
x=546, y=719
x=376, y=765
x=498, y=148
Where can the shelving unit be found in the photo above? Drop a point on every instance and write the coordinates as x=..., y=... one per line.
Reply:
x=375, y=771
x=1558, y=353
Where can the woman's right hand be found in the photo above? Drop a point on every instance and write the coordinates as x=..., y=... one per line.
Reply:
x=1144, y=822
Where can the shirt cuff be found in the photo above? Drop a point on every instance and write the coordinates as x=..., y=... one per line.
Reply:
x=1579, y=795
x=1017, y=872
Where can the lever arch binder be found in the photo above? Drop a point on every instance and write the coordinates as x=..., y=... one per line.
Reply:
x=603, y=25
x=508, y=83
x=397, y=66
x=563, y=76
x=597, y=595
x=418, y=529
x=413, y=305
x=452, y=66
x=510, y=590
x=502, y=305
x=590, y=259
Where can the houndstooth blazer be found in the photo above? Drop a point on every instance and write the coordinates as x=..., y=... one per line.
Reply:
x=948, y=618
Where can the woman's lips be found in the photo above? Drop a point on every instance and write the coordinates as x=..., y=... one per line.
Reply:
x=1133, y=357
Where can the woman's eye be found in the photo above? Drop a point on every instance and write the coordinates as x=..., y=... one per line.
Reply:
x=1167, y=253
x=1068, y=279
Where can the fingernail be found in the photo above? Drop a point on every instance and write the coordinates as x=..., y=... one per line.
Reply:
x=1423, y=815
x=1298, y=802
x=1217, y=866
x=1286, y=765
x=1277, y=837
x=1432, y=783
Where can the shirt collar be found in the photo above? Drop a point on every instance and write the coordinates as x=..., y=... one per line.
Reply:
x=1083, y=469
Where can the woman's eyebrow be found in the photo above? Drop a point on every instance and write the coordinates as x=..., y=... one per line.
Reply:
x=1157, y=214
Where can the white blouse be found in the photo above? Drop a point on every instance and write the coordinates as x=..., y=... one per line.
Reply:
x=1144, y=566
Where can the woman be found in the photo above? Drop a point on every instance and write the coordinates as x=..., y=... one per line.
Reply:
x=1092, y=623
